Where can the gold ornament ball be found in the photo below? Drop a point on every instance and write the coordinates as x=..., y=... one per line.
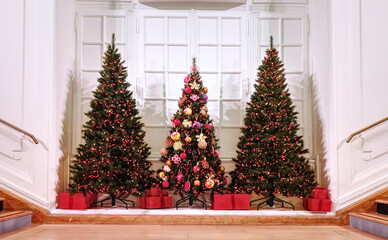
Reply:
x=172, y=119
x=175, y=136
x=169, y=163
x=202, y=144
x=205, y=89
x=188, y=139
x=222, y=168
x=209, y=183
x=162, y=175
x=197, y=183
x=163, y=152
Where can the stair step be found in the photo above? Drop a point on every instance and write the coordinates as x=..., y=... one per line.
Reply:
x=11, y=220
x=1, y=203
x=374, y=223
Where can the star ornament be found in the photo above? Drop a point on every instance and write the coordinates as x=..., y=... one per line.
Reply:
x=194, y=85
x=201, y=137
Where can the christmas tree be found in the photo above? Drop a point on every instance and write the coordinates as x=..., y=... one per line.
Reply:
x=112, y=158
x=192, y=164
x=270, y=152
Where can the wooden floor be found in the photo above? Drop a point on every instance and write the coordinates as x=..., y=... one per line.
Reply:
x=167, y=232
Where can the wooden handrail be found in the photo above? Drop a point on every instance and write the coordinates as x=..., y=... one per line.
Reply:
x=20, y=130
x=365, y=128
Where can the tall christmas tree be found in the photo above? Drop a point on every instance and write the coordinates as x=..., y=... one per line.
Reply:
x=192, y=164
x=270, y=152
x=112, y=158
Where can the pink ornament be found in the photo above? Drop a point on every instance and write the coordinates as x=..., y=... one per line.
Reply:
x=187, y=79
x=177, y=122
x=188, y=90
x=165, y=184
x=196, y=124
x=187, y=186
x=179, y=177
x=208, y=126
x=195, y=169
x=194, y=97
x=176, y=159
x=183, y=155
x=218, y=153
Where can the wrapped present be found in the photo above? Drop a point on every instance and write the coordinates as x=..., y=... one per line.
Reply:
x=65, y=201
x=81, y=201
x=319, y=193
x=222, y=202
x=167, y=202
x=321, y=205
x=156, y=198
x=305, y=202
x=153, y=192
x=241, y=201
x=153, y=202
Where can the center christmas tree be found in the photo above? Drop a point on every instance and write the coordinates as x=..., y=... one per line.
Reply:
x=270, y=152
x=191, y=161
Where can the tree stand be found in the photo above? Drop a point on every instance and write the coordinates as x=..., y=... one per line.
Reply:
x=270, y=201
x=191, y=200
x=114, y=198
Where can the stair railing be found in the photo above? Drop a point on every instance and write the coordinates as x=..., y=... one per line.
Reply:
x=20, y=130
x=365, y=128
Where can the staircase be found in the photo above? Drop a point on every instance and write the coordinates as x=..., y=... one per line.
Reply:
x=373, y=222
x=11, y=220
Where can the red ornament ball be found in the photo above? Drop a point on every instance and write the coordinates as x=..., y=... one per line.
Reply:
x=183, y=155
x=165, y=184
x=195, y=169
x=177, y=122
x=188, y=90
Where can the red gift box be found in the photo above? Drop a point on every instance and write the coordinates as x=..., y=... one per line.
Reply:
x=65, y=201
x=156, y=198
x=167, y=202
x=241, y=201
x=222, y=202
x=305, y=202
x=153, y=202
x=153, y=192
x=322, y=205
x=81, y=201
x=319, y=193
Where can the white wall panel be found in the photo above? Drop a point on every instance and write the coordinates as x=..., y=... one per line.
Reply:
x=208, y=58
x=91, y=57
x=12, y=66
x=154, y=57
x=153, y=88
x=207, y=30
x=116, y=25
x=92, y=29
x=154, y=29
x=231, y=30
